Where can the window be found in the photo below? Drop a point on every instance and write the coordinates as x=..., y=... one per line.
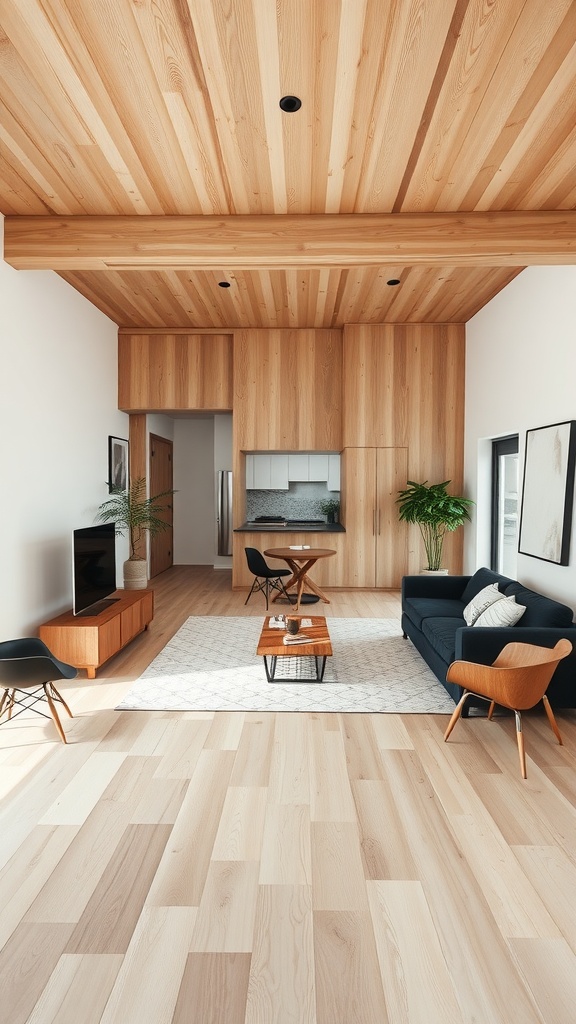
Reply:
x=505, y=505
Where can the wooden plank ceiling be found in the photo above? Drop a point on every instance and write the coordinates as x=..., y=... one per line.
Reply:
x=171, y=107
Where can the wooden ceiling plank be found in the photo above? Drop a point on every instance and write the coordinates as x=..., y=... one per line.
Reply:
x=479, y=47
x=536, y=125
x=60, y=64
x=266, y=29
x=510, y=99
x=545, y=142
x=508, y=238
x=349, y=58
x=411, y=46
x=226, y=42
x=301, y=47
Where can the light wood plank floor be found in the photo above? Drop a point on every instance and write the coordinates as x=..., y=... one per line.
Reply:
x=179, y=868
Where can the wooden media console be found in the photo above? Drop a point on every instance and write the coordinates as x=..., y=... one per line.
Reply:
x=87, y=641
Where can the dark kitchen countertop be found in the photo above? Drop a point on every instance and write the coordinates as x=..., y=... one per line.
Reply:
x=290, y=526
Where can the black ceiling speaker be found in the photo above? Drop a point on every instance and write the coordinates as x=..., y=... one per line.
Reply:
x=290, y=104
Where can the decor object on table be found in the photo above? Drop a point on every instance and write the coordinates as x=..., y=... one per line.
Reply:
x=27, y=673
x=331, y=509
x=118, y=468
x=436, y=512
x=211, y=664
x=433, y=618
x=135, y=514
x=547, y=492
x=517, y=680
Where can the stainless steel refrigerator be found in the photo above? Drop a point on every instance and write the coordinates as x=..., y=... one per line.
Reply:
x=224, y=511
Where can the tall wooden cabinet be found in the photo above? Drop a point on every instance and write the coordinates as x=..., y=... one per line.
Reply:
x=376, y=542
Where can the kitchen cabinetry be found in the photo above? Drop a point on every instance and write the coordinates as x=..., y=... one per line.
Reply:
x=376, y=542
x=266, y=472
x=276, y=471
x=333, y=473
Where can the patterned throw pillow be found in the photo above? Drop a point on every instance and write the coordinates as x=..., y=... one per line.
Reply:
x=480, y=602
x=502, y=613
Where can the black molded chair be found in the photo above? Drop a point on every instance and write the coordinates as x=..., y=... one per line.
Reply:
x=28, y=669
x=265, y=578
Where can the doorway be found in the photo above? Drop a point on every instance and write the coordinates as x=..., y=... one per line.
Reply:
x=505, y=505
x=161, y=479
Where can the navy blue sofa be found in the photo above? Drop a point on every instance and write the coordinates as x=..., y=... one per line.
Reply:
x=432, y=608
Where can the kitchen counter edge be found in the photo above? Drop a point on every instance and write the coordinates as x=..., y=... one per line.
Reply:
x=272, y=528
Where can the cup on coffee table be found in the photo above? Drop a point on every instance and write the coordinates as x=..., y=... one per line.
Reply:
x=292, y=625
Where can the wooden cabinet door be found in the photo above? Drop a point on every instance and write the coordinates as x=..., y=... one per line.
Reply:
x=391, y=534
x=359, y=516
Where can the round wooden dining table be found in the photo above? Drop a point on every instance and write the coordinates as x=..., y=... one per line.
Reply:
x=300, y=561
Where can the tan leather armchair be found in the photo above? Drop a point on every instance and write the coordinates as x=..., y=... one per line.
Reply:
x=517, y=680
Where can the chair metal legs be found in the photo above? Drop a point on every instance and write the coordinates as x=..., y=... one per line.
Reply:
x=265, y=585
x=518, y=717
x=28, y=699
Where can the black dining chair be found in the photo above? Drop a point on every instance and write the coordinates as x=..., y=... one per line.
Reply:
x=27, y=673
x=265, y=578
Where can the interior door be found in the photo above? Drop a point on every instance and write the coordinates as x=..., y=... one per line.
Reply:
x=161, y=479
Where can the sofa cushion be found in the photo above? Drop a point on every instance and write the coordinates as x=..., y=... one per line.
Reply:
x=482, y=578
x=419, y=608
x=540, y=610
x=487, y=596
x=501, y=613
x=441, y=635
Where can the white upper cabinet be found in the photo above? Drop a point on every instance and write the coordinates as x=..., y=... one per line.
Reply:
x=298, y=468
x=266, y=472
x=333, y=472
x=318, y=467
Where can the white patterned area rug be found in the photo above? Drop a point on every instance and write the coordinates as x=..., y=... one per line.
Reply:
x=211, y=665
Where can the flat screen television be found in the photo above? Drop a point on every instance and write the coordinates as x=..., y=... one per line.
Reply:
x=94, y=568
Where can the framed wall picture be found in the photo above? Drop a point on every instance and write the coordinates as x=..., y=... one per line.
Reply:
x=117, y=464
x=547, y=492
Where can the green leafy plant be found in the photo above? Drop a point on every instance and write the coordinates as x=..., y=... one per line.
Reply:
x=436, y=512
x=329, y=508
x=134, y=513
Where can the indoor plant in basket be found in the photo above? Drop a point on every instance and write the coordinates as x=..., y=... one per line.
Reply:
x=135, y=514
x=436, y=512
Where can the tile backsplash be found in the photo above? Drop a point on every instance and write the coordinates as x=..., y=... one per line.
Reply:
x=300, y=501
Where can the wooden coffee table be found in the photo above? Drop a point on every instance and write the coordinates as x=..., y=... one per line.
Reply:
x=318, y=646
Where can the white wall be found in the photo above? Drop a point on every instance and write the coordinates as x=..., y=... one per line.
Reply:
x=194, y=513
x=520, y=374
x=202, y=445
x=58, y=404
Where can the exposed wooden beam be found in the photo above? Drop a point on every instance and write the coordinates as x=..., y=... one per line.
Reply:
x=258, y=242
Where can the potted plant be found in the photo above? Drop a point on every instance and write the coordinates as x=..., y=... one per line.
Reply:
x=135, y=514
x=331, y=509
x=436, y=512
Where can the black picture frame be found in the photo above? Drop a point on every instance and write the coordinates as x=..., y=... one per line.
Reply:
x=118, y=464
x=548, y=492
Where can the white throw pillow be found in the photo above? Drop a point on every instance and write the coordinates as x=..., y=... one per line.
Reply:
x=502, y=613
x=480, y=602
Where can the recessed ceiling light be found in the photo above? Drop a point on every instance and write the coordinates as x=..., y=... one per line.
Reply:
x=223, y=284
x=393, y=281
x=290, y=104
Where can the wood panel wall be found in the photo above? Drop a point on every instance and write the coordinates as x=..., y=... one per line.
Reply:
x=161, y=371
x=288, y=390
x=404, y=387
x=384, y=386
